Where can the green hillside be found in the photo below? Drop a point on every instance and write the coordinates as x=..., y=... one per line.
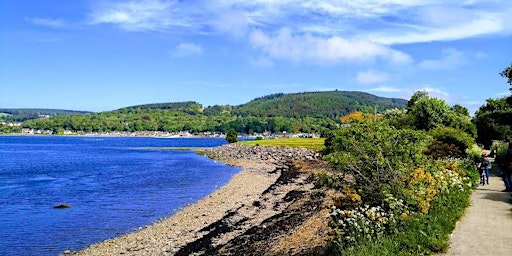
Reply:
x=187, y=106
x=332, y=104
x=308, y=112
x=23, y=114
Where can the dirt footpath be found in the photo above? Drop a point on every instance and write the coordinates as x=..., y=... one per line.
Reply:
x=486, y=227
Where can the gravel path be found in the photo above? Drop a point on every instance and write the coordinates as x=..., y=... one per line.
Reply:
x=486, y=227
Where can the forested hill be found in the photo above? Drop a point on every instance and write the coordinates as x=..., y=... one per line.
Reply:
x=23, y=114
x=187, y=106
x=308, y=112
x=332, y=104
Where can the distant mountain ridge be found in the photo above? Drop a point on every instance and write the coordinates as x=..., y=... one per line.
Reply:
x=23, y=114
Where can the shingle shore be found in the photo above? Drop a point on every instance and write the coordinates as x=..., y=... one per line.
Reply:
x=166, y=237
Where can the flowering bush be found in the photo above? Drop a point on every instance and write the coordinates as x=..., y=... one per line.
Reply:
x=367, y=222
x=393, y=185
x=364, y=222
x=422, y=188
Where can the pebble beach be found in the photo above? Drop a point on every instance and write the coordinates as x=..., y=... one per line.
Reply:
x=243, y=200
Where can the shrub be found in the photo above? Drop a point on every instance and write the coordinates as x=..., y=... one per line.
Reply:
x=377, y=155
x=501, y=148
x=231, y=136
x=449, y=142
x=474, y=152
x=434, y=198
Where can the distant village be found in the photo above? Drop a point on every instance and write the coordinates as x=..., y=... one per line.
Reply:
x=159, y=134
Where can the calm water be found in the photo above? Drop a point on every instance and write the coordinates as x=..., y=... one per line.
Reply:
x=113, y=186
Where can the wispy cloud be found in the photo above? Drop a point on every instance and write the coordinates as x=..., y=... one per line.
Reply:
x=146, y=15
x=46, y=22
x=381, y=21
x=436, y=92
x=372, y=77
x=187, y=49
x=284, y=44
x=387, y=89
x=450, y=59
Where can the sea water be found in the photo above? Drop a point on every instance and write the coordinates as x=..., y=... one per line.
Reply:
x=112, y=186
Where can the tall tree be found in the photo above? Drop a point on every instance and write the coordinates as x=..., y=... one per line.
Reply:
x=507, y=73
x=418, y=95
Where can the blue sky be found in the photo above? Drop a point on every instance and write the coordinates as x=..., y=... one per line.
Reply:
x=102, y=55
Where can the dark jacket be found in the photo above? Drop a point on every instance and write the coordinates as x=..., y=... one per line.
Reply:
x=483, y=164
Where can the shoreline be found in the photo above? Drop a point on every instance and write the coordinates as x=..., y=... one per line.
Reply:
x=253, y=196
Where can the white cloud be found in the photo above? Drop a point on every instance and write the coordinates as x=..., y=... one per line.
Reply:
x=487, y=24
x=451, y=58
x=435, y=92
x=308, y=48
x=138, y=15
x=372, y=77
x=385, y=22
x=392, y=21
x=52, y=23
x=187, y=49
x=387, y=89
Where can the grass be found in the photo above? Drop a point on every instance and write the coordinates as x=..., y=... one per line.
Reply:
x=312, y=143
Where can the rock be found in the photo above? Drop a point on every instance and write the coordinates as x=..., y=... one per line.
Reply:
x=280, y=155
x=62, y=206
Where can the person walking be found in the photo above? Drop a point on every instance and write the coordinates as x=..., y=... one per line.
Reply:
x=483, y=167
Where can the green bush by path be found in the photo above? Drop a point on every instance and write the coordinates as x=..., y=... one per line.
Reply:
x=399, y=201
x=423, y=235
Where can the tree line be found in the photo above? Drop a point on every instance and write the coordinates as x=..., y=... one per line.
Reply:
x=313, y=112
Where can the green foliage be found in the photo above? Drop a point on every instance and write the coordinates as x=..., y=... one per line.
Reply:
x=376, y=155
x=312, y=143
x=427, y=113
x=439, y=149
x=331, y=181
x=460, y=110
x=507, y=73
x=449, y=142
x=418, y=95
x=398, y=193
x=188, y=107
x=333, y=104
x=293, y=113
x=23, y=114
x=423, y=235
x=474, y=152
x=494, y=121
x=430, y=113
x=501, y=148
x=4, y=129
x=231, y=136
